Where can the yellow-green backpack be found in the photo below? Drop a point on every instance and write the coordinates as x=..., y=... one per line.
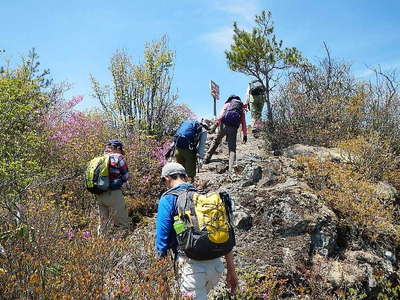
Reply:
x=203, y=225
x=97, y=174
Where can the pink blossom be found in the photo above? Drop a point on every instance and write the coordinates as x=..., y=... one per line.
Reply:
x=126, y=289
x=159, y=153
x=145, y=179
x=86, y=235
x=265, y=295
x=70, y=235
x=189, y=294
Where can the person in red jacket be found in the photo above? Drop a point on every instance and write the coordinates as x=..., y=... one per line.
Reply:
x=231, y=117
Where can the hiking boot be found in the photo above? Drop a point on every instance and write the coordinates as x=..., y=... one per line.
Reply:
x=206, y=160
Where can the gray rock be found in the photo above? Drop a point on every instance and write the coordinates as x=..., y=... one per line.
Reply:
x=332, y=154
x=241, y=220
x=389, y=255
x=291, y=184
x=324, y=237
x=252, y=175
x=221, y=168
x=358, y=257
x=2, y=251
x=385, y=191
x=345, y=274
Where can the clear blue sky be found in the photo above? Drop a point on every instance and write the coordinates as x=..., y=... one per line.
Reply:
x=74, y=38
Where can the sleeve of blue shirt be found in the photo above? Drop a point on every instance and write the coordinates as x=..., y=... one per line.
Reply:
x=164, y=223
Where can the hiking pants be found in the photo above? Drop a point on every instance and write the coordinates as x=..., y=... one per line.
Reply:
x=199, y=277
x=187, y=158
x=230, y=133
x=256, y=107
x=112, y=207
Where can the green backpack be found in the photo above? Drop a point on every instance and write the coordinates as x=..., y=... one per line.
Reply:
x=97, y=174
x=203, y=224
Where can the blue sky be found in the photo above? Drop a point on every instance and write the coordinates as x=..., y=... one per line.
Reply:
x=74, y=38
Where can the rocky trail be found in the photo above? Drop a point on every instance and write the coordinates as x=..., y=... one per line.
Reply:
x=283, y=226
x=282, y=223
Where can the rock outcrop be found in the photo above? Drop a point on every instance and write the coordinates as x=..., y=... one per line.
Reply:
x=282, y=222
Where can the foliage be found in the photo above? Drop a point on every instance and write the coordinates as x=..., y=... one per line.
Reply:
x=260, y=55
x=177, y=114
x=355, y=199
x=77, y=137
x=389, y=289
x=21, y=106
x=382, y=106
x=322, y=104
x=319, y=104
x=145, y=157
x=74, y=138
x=53, y=259
x=141, y=97
x=370, y=155
x=257, y=285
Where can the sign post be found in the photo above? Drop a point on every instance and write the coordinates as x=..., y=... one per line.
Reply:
x=215, y=94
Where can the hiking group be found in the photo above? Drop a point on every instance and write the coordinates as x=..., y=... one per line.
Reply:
x=196, y=227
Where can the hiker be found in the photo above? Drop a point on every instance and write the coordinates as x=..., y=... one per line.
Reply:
x=111, y=202
x=255, y=101
x=198, y=277
x=189, y=145
x=231, y=117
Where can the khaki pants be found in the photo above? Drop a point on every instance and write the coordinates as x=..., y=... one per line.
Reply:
x=199, y=277
x=112, y=207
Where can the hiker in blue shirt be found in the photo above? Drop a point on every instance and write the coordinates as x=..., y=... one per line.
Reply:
x=197, y=277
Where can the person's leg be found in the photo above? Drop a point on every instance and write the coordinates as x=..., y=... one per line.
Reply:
x=256, y=109
x=192, y=279
x=259, y=104
x=190, y=162
x=220, y=135
x=231, y=134
x=120, y=214
x=104, y=213
x=215, y=269
x=179, y=157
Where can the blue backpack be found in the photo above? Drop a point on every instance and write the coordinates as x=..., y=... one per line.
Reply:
x=187, y=135
x=233, y=114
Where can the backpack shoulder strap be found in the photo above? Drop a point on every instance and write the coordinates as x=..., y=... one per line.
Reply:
x=181, y=201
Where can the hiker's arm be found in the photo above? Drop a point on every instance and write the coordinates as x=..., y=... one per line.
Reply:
x=123, y=169
x=244, y=126
x=202, y=144
x=231, y=277
x=163, y=225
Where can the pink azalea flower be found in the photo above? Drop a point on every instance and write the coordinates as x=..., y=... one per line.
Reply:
x=126, y=289
x=86, y=235
x=70, y=235
x=189, y=294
